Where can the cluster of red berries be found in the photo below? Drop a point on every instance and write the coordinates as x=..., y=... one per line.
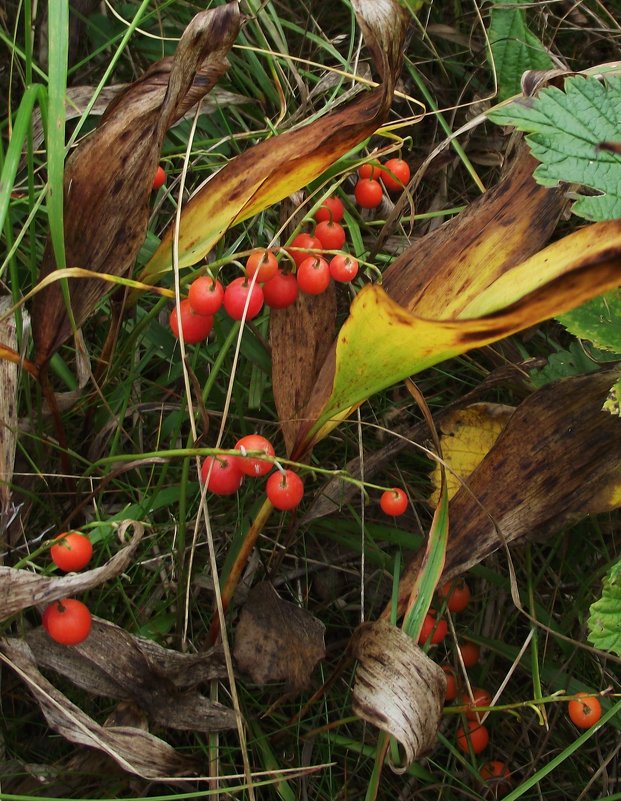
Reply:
x=68, y=621
x=393, y=175
x=224, y=474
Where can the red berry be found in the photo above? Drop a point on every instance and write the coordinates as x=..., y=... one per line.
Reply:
x=394, y=502
x=67, y=621
x=343, y=268
x=254, y=465
x=281, y=291
x=473, y=735
x=585, y=711
x=332, y=209
x=436, y=628
x=368, y=193
x=451, y=683
x=313, y=275
x=369, y=171
x=196, y=327
x=225, y=477
x=73, y=551
x=480, y=697
x=330, y=234
x=305, y=241
x=395, y=174
x=284, y=490
x=235, y=299
x=160, y=178
x=457, y=593
x=470, y=653
x=206, y=295
x=497, y=775
x=262, y=262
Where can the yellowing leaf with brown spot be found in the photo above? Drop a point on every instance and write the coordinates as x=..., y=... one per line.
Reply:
x=466, y=436
x=273, y=169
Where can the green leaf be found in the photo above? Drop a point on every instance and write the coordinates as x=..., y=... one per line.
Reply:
x=613, y=401
x=598, y=320
x=573, y=361
x=515, y=49
x=566, y=130
x=605, y=620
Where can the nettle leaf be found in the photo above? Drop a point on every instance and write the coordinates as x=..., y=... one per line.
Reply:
x=605, y=619
x=598, y=320
x=573, y=361
x=566, y=133
x=515, y=49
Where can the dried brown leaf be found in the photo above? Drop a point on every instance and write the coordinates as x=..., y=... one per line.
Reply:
x=8, y=413
x=301, y=336
x=108, y=179
x=135, y=750
x=276, y=640
x=557, y=460
x=20, y=589
x=398, y=688
x=159, y=681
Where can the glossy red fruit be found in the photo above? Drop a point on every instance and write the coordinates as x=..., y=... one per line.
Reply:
x=434, y=627
x=305, y=241
x=395, y=174
x=480, y=698
x=343, y=268
x=585, y=711
x=313, y=275
x=281, y=291
x=225, y=477
x=195, y=327
x=473, y=735
x=68, y=621
x=330, y=234
x=254, y=465
x=470, y=653
x=71, y=551
x=394, y=502
x=285, y=490
x=206, y=295
x=368, y=193
x=332, y=208
x=159, y=178
x=457, y=594
x=369, y=171
x=497, y=775
x=451, y=683
x=264, y=263
x=235, y=296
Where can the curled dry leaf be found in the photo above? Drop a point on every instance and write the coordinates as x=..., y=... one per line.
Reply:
x=276, y=640
x=8, y=413
x=398, y=688
x=20, y=589
x=108, y=180
x=135, y=750
x=159, y=681
x=557, y=460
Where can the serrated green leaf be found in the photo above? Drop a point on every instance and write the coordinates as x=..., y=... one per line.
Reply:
x=605, y=618
x=515, y=49
x=565, y=363
x=598, y=320
x=565, y=132
x=613, y=401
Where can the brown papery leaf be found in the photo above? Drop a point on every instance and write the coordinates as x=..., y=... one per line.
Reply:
x=108, y=180
x=276, y=640
x=157, y=680
x=300, y=336
x=398, y=688
x=8, y=414
x=557, y=461
x=20, y=589
x=135, y=750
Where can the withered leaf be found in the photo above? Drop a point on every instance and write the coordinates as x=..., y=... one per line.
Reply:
x=8, y=413
x=398, y=688
x=116, y=664
x=276, y=640
x=20, y=589
x=557, y=461
x=109, y=177
x=135, y=750
x=300, y=336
